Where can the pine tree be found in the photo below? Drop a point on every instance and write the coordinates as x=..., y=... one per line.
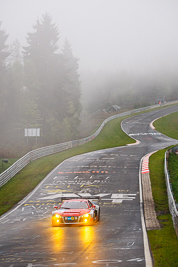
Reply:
x=4, y=53
x=72, y=88
x=52, y=81
x=41, y=61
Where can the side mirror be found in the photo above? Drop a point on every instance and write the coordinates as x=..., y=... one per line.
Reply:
x=56, y=207
x=94, y=207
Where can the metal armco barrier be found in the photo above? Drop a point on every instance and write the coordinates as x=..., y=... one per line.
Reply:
x=171, y=201
x=48, y=150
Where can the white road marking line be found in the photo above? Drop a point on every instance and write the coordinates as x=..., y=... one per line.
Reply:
x=65, y=264
x=133, y=134
x=107, y=158
x=84, y=194
x=117, y=200
x=129, y=196
x=84, y=166
x=122, y=248
x=136, y=259
x=60, y=195
x=114, y=197
x=103, y=166
x=130, y=244
x=107, y=261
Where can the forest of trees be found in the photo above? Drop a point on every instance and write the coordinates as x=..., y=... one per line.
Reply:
x=39, y=88
x=126, y=89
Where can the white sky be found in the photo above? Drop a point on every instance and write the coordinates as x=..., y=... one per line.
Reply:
x=104, y=34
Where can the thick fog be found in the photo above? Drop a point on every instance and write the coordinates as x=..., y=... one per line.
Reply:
x=65, y=65
x=104, y=34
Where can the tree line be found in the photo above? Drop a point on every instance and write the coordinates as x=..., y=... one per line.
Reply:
x=126, y=89
x=39, y=88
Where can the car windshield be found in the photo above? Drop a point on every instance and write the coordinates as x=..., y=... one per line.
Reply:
x=74, y=205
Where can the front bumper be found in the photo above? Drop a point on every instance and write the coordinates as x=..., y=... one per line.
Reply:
x=71, y=220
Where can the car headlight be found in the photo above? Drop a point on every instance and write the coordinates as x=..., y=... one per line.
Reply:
x=57, y=216
x=85, y=217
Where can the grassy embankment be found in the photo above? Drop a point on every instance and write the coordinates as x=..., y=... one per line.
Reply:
x=163, y=242
x=28, y=178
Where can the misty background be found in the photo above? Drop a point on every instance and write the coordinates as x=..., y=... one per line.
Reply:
x=65, y=65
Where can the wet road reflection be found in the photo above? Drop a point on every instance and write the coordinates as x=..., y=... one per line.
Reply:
x=71, y=237
x=70, y=244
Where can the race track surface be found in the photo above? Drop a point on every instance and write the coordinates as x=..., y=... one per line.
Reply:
x=27, y=237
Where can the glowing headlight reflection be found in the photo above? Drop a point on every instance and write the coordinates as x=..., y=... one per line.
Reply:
x=58, y=238
x=57, y=216
x=87, y=215
x=87, y=234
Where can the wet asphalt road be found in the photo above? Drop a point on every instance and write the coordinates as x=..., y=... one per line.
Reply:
x=26, y=235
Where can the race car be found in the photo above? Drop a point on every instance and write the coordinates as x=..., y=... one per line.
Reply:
x=76, y=212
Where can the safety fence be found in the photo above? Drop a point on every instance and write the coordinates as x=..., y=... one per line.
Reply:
x=171, y=201
x=48, y=150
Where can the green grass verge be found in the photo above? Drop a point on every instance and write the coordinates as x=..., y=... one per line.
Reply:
x=163, y=242
x=29, y=177
x=168, y=125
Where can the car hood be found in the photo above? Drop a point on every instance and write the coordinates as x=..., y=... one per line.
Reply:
x=72, y=212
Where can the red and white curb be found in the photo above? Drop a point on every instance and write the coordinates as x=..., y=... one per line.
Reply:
x=145, y=163
x=144, y=168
